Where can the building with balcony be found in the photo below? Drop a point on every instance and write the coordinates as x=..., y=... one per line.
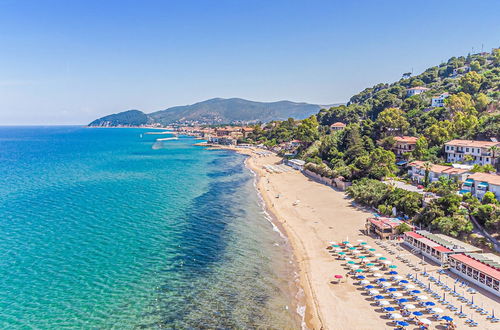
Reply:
x=404, y=144
x=438, y=101
x=480, y=183
x=416, y=170
x=384, y=228
x=480, y=151
x=416, y=90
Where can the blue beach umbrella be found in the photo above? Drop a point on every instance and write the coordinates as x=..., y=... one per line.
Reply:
x=378, y=297
x=389, y=309
x=402, y=300
x=393, y=272
x=415, y=291
x=368, y=287
x=429, y=303
x=392, y=289
x=404, y=281
x=382, y=280
x=403, y=323
x=418, y=313
x=360, y=277
x=447, y=318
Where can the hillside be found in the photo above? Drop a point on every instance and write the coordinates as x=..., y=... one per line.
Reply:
x=215, y=111
x=126, y=118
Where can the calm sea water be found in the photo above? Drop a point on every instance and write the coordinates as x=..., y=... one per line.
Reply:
x=103, y=228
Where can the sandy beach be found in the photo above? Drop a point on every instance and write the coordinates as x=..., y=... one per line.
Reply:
x=312, y=215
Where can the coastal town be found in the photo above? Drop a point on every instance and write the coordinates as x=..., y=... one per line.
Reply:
x=428, y=197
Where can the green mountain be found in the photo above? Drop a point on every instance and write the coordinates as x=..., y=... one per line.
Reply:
x=125, y=118
x=214, y=111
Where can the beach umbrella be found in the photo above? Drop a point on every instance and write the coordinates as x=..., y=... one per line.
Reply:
x=370, y=264
x=341, y=253
x=361, y=257
x=418, y=313
x=350, y=262
x=359, y=270
x=372, y=250
x=429, y=303
x=382, y=258
x=335, y=245
x=403, y=323
x=345, y=242
x=404, y=281
x=397, y=278
x=381, y=280
x=409, y=287
x=360, y=277
x=410, y=306
x=437, y=310
x=338, y=276
x=377, y=274
x=377, y=255
x=383, y=302
x=385, y=284
x=363, y=282
x=360, y=240
x=426, y=321
x=393, y=266
x=395, y=316
x=423, y=298
x=356, y=252
x=397, y=295
x=392, y=289
x=389, y=309
x=352, y=248
x=387, y=262
x=373, y=292
x=415, y=291
x=402, y=300
x=447, y=318
x=369, y=287
x=353, y=266
x=363, y=243
x=378, y=297
x=393, y=272
x=374, y=269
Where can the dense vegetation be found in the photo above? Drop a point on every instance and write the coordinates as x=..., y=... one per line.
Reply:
x=126, y=118
x=361, y=152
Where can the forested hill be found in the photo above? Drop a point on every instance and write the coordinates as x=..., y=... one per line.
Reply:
x=471, y=111
x=214, y=111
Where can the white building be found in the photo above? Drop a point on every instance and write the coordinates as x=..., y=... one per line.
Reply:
x=417, y=172
x=479, y=150
x=416, y=90
x=438, y=101
x=297, y=164
x=479, y=183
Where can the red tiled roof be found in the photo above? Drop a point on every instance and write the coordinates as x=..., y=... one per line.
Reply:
x=472, y=143
x=413, y=234
x=442, y=249
x=406, y=139
x=486, y=177
x=486, y=269
x=338, y=124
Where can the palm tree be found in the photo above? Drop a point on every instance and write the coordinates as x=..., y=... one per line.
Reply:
x=427, y=166
x=494, y=150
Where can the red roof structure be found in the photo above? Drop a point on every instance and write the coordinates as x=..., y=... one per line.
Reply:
x=486, y=269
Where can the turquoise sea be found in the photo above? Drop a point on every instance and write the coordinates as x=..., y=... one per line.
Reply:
x=106, y=228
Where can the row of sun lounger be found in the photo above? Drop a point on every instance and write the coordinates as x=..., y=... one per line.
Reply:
x=277, y=168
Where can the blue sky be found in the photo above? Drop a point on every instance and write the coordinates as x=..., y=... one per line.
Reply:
x=68, y=62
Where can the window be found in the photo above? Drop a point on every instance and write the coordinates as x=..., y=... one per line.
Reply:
x=467, y=149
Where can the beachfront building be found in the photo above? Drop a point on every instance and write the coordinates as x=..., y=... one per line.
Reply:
x=480, y=151
x=297, y=164
x=384, y=228
x=480, y=183
x=338, y=126
x=417, y=170
x=222, y=140
x=438, y=100
x=482, y=269
x=404, y=144
x=436, y=247
x=416, y=90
